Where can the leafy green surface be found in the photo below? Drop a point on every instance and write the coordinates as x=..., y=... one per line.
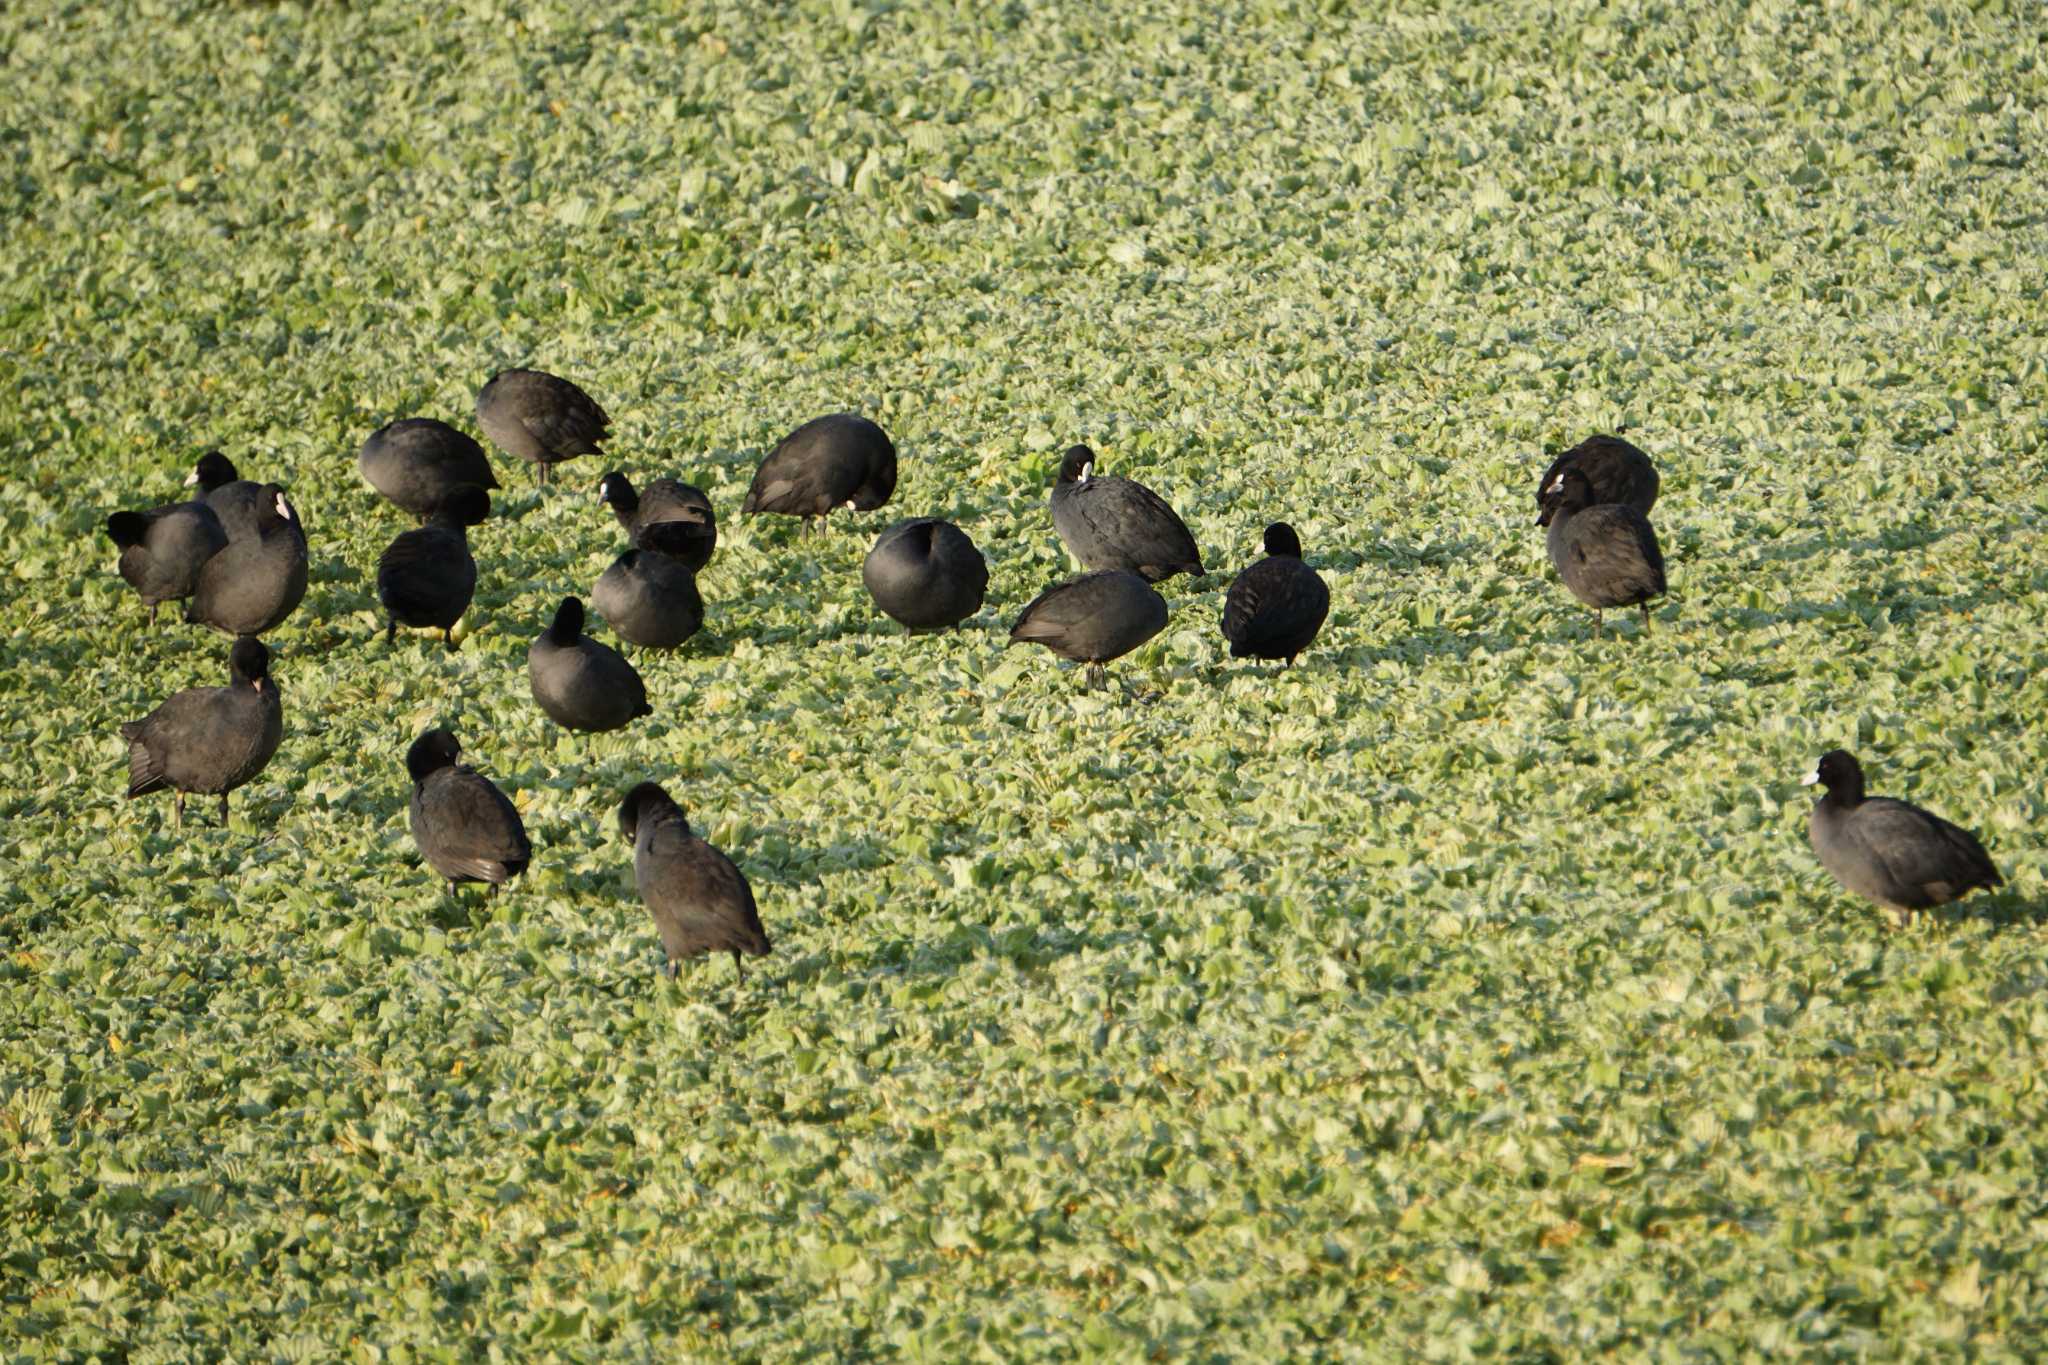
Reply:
x=1470, y=989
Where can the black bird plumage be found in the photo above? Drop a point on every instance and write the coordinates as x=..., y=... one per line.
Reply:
x=580, y=683
x=1607, y=553
x=1887, y=850
x=163, y=549
x=1276, y=606
x=700, y=901
x=465, y=827
x=418, y=461
x=649, y=594
x=1093, y=619
x=540, y=418
x=828, y=462
x=427, y=577
x=1113, y=523
x=260, y=577
x=925, y=573
x=664, y=500
x=209, y=740
x=1617, y=470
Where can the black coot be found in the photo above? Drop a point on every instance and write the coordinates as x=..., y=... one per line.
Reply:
x=1276, y=606
x=1617, y=470
x=841, y=460
x=209, y=740
x=163, y=549
x=580, y=683
x=1895, y=853
x=926, y=573
x=662, y=500
x=540, y=418
x=418, y=461
x=466, y=829
x=1606, y=553
x=1093, y=619
x=701, y=903
x=1113, y=523
x=427, y=577
x=260, y=577
x=649, y=594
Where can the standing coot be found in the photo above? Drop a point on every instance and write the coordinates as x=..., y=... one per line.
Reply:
x=1895, y=853
x=1276, y=606
x=1113, y=523
x=540, y=418
x=580, y=683
x=701, y=903
x=841, y=460
x=427, y=577
x=466, y=829
x=418, y=461
x=1617, y=470
x=1606, y=554
x=260, y=577
x=209, y=740
x=1093, y=619
x=163, y=549
x=649, y=594
x=926, y=573
x=662, y=500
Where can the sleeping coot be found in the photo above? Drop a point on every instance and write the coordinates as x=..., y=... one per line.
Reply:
x=1276, y=606
x=427, y=577
x=580, y=683
x=662, y=500
x=1892, y=852
x=163, y=549
x=465, y=828
x=840, y=460
x=649, y=594
x=1606, y=553
x=209, y=740
x=417, y=461
x=1113, y=523
x=1617, y=471
x=701, y=903
x=925, y=574
x=540, y=418
x=1093, y=619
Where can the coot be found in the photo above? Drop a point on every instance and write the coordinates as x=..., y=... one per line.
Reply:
x=465, y=828
x=840, y=460
x=649, y=594
x=163, y=549
x=1606, y=553
x=427, y=577
x=1617, y=470
x=417, y=461
x=1093, y=619
x=701, y=903
x=580, y=683
x=260, y=576
x=209, y=740
x=661, y=500
x=926, y=573
x=1276, y=606
x=540, y=418
x=1895, y=853
x=1113, y=523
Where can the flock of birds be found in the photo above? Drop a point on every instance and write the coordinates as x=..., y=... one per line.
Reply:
x=236, y=556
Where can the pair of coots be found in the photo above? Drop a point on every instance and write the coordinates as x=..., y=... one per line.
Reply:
x=649, y=594
x=1595, y=498
x=581, y=683
x=427, y=578
x=258, y=578
x=209, y=740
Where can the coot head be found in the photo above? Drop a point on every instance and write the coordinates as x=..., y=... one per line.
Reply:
x=463, y=505
x=249, y=662
x=431, y=752
x=1569, y=491
x=568, y=622
x=1840, y=773
x=1076, y=464
x=127, y=528
x=213, y=470
x=645, y=799
x=616, y=490
x=1281, y=542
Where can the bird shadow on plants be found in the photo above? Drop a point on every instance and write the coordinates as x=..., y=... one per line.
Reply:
x=773, y=858
x=2003, y=911
x=1861, y=606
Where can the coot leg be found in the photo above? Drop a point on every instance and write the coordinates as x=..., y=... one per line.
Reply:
x=1596, y=623
x=448, y=636
x=739, y=965
x=671, y=969
x=178, y=812
x=1646, y=618
x=391, y=630
x=1097, y=676
x=223, y=810
x=543, y=472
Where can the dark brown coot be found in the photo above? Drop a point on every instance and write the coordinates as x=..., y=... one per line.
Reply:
x=926, y=574
x=1276, y=606
x=163, y=549
x=209, y=740
x=580, y=683
x=465, y=828
x=840, y=460
x=662, y=500
x=253, y=584
x=1093, y=619
x=701, y=903
x=417, y=461
x=1606, y=554
x=649, y=594
x=1113, y=523
x=426, y=578
x=1892, y=852
x=540, y=418
x=1617, y=470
